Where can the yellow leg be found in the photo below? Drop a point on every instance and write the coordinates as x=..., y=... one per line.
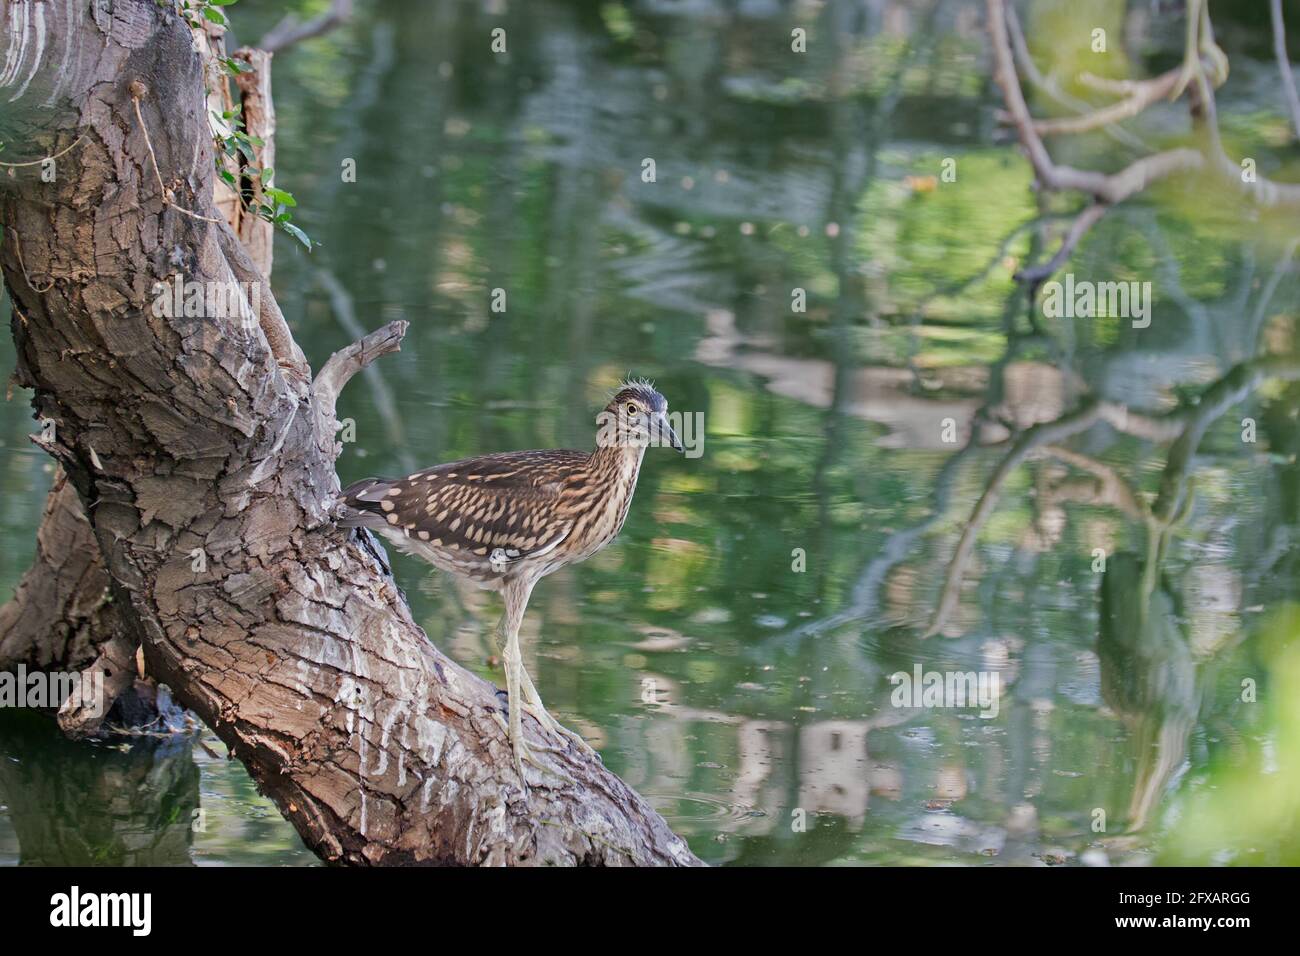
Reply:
x=519, y=686
x=532, y=704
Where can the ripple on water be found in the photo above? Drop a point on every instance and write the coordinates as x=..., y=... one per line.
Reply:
x=695, y=807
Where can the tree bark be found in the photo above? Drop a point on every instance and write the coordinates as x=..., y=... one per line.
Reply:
x=204, y=460
x=62, y=618
x=61, y=609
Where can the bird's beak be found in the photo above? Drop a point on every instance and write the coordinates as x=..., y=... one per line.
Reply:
x=666, y=431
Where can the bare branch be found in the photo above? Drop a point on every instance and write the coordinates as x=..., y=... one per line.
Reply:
x=1078, y=229
x=1113, y=188
x=381, y=393
x=1284, y=65
x=1115, y=489
x=289, y=31
x=345, y=363
x=1054, y=92
x=1046, y=433
x=1184, y=427
x=1142, y=95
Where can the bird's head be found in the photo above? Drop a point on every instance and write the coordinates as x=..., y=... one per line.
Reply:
x=636, y=417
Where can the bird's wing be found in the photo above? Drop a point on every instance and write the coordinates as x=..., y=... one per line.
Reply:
x=499, y=506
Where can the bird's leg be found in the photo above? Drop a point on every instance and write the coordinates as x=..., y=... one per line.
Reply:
x=516, y=596
x=514, y=668
x=498, y=638
x=532, y=701
x=532, y=704
x=528, y=693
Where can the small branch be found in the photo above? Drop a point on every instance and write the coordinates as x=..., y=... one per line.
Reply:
x=1110, y=85
x=164, y=192
x=1114, y=488
x=1184, y=428
x=1264, y=191
x=1046, y=433
x=1078, y=229
x=345, y=363
x=1142, y=95
x=1240, y=381
x=114, y=670
x=289, y=31
x=917, y=316
x=1284, y=65
x=22, y=267
x=341, y=304
x=1282, y=267
x=1052, y=91
x=1113, y=188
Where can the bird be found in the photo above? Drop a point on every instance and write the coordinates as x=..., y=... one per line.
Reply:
x=504, y=521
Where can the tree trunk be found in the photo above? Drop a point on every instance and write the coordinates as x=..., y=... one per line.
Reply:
x=61, y=611
x=203, y=457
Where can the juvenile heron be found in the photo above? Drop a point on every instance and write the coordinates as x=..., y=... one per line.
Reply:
x=505, y=521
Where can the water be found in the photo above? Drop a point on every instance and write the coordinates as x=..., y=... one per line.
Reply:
x=731, y=654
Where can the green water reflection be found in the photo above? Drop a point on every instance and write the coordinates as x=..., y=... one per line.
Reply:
x=739, y=694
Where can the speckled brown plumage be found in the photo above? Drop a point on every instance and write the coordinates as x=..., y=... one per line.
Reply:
x=506, y=520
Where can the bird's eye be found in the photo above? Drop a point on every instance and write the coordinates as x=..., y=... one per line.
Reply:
x=631, y=409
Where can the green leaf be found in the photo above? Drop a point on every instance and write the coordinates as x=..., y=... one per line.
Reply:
x=297, y=233
x=280, y=196
x=214, y=16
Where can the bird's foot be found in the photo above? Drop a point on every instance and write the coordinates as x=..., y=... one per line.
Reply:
x=540, y=714
x=524, y=755
x=522, y=752
x=532, y=704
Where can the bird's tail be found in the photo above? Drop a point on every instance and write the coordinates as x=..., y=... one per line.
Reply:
x=359, y=504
